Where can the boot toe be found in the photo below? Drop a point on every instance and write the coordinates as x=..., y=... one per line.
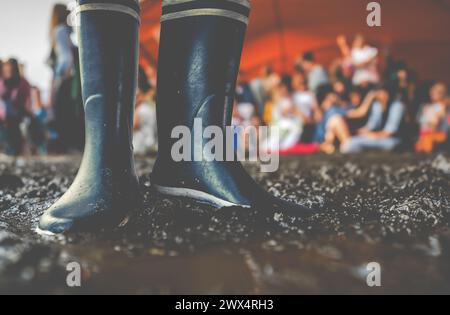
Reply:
x=51, y=225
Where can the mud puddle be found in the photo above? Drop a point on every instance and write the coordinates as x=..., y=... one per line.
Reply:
x=389, y=209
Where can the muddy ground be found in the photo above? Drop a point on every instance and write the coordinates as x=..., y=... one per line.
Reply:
x=390, y=209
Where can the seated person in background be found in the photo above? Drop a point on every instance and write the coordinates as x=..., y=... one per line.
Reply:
x=341, y=125
x=261, y=86
x=341, y=89
x=337, y=105
x=329, y=107
x=286, y=117
x=246, y=98
x=447, y=119
x=304, y=99
x=383, y=126
x=355, y=97
x=145, y=132
x=245, y=111
x=433, y=120
x=244, y=115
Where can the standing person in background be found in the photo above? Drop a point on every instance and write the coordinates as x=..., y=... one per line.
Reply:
x=363, y=58
x=15, y=94
x=65, y=97
x=37, y=129
x=317, y=76
x=61, y=58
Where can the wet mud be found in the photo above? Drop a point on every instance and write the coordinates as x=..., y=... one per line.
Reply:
x=389, y=209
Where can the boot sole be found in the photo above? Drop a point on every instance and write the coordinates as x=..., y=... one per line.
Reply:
x=48, y=233
x=45, y=233
x=196, y=195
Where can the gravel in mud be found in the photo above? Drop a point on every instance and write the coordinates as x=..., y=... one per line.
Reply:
x=389, y=209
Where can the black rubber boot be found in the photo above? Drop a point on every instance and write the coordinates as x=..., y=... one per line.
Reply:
x=200, y=51
x=106, y=188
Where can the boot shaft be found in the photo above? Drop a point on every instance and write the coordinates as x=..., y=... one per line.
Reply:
x=108, y=41
x=200, y=51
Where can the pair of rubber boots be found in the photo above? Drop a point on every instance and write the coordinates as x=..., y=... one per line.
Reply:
x=200, y=49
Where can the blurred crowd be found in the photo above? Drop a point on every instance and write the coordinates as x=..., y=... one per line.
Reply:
x=28, y=125
x=348, y=107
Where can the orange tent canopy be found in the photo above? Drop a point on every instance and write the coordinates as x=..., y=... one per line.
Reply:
x=416, y=31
